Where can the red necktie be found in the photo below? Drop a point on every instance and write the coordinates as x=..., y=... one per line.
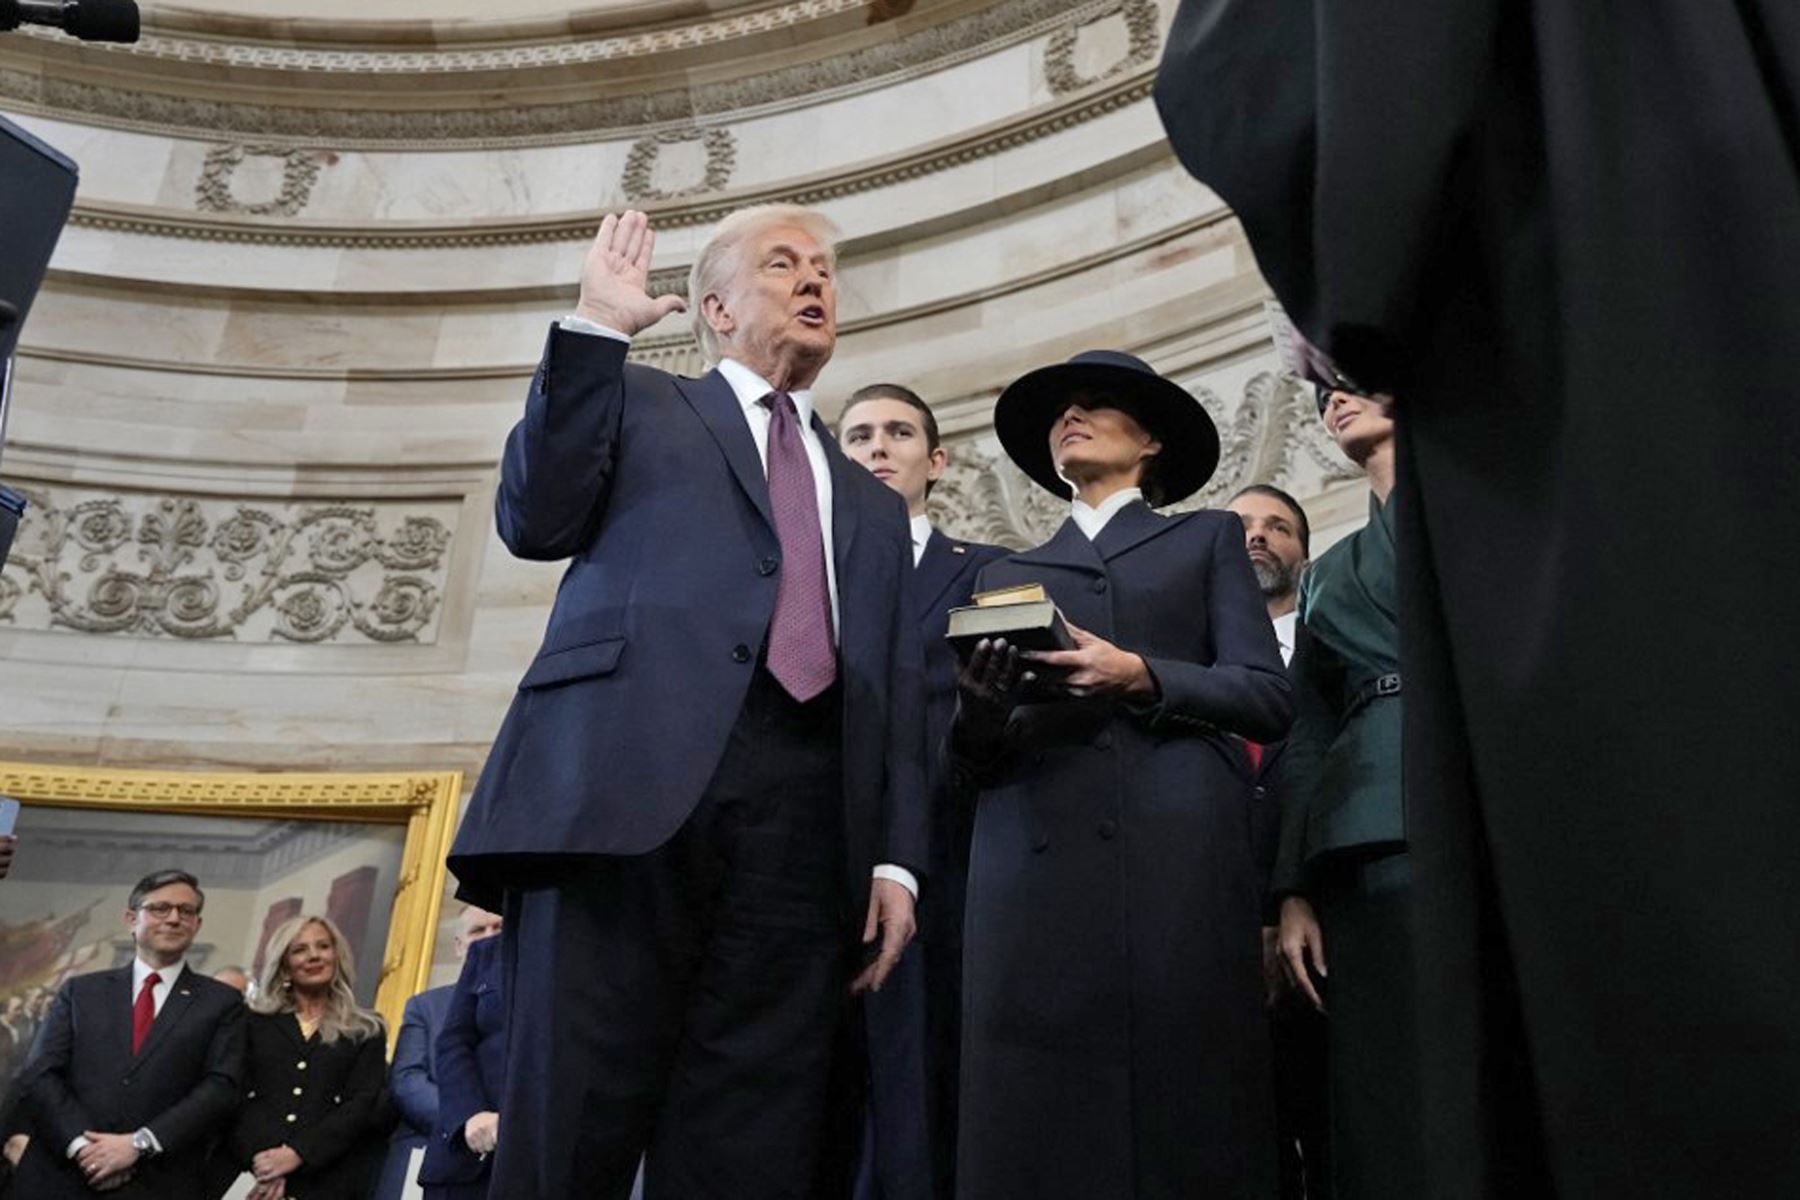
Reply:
x=143, y=1013
x=801, y=656
x=1255, y=750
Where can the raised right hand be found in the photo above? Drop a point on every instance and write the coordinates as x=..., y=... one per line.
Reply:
x=616, y=275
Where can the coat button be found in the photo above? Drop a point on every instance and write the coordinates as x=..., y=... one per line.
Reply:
x=1103, y=740
x=1259, y=791
x=740, y=653
x=767, y=566
x=1040, y=842
x=1109, y=829
x=1099, y=585
x=301, y=1065
x=292, y=1118
x=296, y=1091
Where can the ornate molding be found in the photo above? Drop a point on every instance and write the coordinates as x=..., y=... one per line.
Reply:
x=1271, y=435
x=567, y=227
x=1143, y=39
x=508, y=120
x=305, y=573
x=719, y=146
x=299, y=173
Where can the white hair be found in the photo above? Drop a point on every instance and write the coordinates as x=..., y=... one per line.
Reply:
x=718, y=259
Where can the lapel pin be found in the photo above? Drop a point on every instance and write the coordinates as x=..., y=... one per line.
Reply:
x=959, y=549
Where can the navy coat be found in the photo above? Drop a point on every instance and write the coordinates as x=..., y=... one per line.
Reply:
x=652, y=485
x=182, y=1084
x=1114, y=1039
x=471, y=1060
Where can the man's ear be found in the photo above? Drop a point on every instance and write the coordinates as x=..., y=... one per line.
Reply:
x=940, y=462
x=718, y=317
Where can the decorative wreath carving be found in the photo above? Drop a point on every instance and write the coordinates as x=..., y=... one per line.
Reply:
x=1142, y=42
x=299, y=173
x=640, y=164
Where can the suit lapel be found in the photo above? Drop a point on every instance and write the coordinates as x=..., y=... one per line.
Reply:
x=181, y=996
x=939, y=567
x=118, y=1000
x=1130, y=528
x=717, y=405
x=845, y=511
x=1070, y=548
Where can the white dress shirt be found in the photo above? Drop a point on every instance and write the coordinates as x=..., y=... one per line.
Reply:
x=1284, y=634
x=750, y=388
x=1092, y=520
x=921, y=533
x=159, y=996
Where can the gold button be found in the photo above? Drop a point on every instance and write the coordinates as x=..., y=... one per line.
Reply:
x=301, y=1065
x=296, y=1091
x=292, y=1118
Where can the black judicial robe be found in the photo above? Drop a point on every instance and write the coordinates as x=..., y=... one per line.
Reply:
x=1114, y=1042
x=1567, y=236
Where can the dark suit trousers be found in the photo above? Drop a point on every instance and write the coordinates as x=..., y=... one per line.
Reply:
x=686, y=1003
x=1365, y=911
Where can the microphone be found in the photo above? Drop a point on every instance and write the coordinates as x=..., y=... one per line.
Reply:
x=89, y=20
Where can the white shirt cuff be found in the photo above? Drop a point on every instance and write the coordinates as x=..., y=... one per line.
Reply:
x=155, y=1142
x=80, y=1143
x=575, y=324
x=899, y=875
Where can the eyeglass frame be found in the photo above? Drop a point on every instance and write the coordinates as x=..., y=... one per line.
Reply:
x=187, y=912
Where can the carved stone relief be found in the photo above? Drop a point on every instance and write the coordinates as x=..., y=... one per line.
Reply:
x=149, y=565
x=299, y=172
x=1141, y=21
x=718, y=145
x=1271, y=435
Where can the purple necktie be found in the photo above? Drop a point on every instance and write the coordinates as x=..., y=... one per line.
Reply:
x=801, y=656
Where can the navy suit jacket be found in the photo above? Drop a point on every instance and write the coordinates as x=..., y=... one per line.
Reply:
x=652, y=485
x=413, y=1077
x=183, y=1084
x=943, y=580
x=471, y=1056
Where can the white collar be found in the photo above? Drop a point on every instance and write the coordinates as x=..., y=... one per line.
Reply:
x=140, y=970
x=1284, y=633
x=921, y=530
x=1092, y=520
x=750, y=388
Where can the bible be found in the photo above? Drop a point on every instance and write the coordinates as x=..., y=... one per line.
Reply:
x=1027, y=618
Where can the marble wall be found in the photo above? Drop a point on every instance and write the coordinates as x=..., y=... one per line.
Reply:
x=262, y=396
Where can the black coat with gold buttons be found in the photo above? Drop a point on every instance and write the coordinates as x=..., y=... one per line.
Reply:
x=322, y=1099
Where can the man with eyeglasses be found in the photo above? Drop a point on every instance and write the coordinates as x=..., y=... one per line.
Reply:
x=137, y=1127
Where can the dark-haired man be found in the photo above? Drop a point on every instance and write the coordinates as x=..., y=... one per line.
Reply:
x=1279, y=539
x=136, y=1067
x=891, y=431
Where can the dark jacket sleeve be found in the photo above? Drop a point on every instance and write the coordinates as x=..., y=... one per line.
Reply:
x=415, y=1092
x=459, y=1047
x=60, y=1116
x=557, y=468
x=1344, y=214
x=1245, y=690
x=194, y=1118
x=907, y=831
x=339, y=1131
x=1315, y=725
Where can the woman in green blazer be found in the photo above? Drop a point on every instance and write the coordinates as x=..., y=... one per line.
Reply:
x=1343, y=874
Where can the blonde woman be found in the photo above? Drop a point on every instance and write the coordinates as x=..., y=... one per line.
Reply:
x=315, y=1074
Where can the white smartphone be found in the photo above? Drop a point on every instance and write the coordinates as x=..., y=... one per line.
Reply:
x=9, y=814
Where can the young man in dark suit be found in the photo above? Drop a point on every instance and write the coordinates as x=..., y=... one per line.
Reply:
x=135, y=1068
x=708, y=790
x=891, y=431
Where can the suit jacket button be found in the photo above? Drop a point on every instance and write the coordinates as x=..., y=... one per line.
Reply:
x=1103, y=740
x=292, y=1117
x=1099, y=585
x=740, y=653
x=296, y=1091
x=1109, y=829
x=1040, y=842
x=301, y=1064
x=768, y=565
x=1259, y=791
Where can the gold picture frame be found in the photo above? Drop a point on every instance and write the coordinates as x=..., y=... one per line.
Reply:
x=425, y=802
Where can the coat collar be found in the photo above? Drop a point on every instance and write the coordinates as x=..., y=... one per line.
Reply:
x=717, y=405
x=1069, y=548
x=1130, y=528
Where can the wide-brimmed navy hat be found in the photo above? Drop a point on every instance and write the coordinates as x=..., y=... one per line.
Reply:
x=1110, y=379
